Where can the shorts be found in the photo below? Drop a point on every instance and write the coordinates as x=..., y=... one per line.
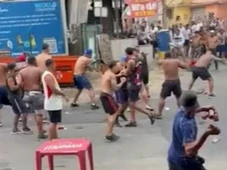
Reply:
x=108, y=103
x=81, y=82
x=133, y=94
x=4, y=96
x=170, y=86
x=55, y=116
x=35, y=101
x=221, y=48
x=121, y=96
x=186, y=43
x=200, y=72
x=18, y=105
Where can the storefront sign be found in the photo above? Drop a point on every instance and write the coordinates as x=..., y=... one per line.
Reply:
x=138, y=1
x=137, y=10
x=26, y=25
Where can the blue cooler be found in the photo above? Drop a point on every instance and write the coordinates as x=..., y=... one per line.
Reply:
x=163, y=40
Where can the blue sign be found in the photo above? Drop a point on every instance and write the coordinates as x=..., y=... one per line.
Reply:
x=26, y=25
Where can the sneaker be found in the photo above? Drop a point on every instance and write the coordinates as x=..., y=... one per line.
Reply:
x=131, y=124
x=159, y=117
x=112, y=138
x=74, y=105
x=16, y=131
x=117, y=124
x=151, y=119
x=27, y=131
x=43, y=136
x=0, y=124
x=94, y=107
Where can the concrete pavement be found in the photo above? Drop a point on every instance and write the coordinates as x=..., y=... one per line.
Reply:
x=144, y=147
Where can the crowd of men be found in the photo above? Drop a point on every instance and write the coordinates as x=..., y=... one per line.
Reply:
x=30, y=86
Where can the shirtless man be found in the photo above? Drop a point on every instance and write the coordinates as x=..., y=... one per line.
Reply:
x=212, y=42
x=31, y=79
x=3, y=89
x=80, y=79
x=133, y=72
x=41, y=63
x=108, y=86
x=196, y=48
x=200, y=70
x=172, y=81
x=41, y=58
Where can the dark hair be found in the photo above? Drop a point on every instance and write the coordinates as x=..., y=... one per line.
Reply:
x=111, y=64
x=129, y=51
x=11, y=66
x=45, y=46
x=31, y=60
x=168, y=55
x=189, y=99
x=49, y=62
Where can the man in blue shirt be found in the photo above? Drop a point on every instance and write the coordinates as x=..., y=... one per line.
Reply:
x=184, y=148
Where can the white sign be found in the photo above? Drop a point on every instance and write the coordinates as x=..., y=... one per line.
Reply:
x=101, y=12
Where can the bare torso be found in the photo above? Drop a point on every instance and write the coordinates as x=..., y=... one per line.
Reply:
x=31, y=77
x=106, y=84
x=81, y=65
x=170, y=68
x=204, y=60
x=196, y=41
x=3, y=72
x=41, y=60
x=213, y=42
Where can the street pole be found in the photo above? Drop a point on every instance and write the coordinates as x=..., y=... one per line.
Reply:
x=163, y=13
x=117, y=17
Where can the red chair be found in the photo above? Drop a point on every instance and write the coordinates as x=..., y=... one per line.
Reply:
x=77, y=147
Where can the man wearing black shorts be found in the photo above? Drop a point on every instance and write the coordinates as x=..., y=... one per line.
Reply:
x=172, y=81
x=53, y=98
x=108, y=86
x=15, y=95
x=200, y=70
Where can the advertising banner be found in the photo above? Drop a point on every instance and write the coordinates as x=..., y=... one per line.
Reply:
x=142, y=8
x=26, y=25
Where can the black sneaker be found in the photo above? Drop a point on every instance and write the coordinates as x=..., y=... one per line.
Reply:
x=151, y=119
x=112, y=138
x=123, y=117
x=131, y=124
x=0, y=124
x=74, y=105
x=159, y=117
x=16, y=131
x=94, y=107
x=43, y=136
x=27, y=131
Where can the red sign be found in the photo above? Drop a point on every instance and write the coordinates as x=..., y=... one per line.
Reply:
x=138, y=10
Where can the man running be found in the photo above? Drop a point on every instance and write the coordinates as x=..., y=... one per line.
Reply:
x=33, y=96
x=134, y=83
x=200, y=70
x=108, y=86
x=171, y=83
x=15, y=96
x=81, y=81
x=3, y=89
x=53, y=98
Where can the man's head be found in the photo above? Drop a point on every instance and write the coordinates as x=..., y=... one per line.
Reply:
x=45, y=48
x=21, y=58
x=168, y=55
x=136, y=51
x=114, y=67
x=50, y=64
x=32, y=61
x=11, y=67
x=212, y=33
x=189, y=102
x=88, y=53
x=129, y=51
x=177, y=32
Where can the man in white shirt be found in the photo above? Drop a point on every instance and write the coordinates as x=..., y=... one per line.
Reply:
x=186, y=33
x=53, y=98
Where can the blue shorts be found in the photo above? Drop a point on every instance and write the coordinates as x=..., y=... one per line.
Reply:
x=121, y=96
x=81, y=82
x=4, y=96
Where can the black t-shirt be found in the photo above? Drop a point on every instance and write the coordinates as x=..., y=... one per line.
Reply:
x=124, y=86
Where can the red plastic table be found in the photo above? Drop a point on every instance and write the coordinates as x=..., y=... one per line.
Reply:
x=77, y=147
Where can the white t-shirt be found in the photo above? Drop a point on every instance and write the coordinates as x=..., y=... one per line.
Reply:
x=52, y=101
x=186, y=34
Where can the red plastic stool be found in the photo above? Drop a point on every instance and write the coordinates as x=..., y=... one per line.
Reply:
x=77, y=147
